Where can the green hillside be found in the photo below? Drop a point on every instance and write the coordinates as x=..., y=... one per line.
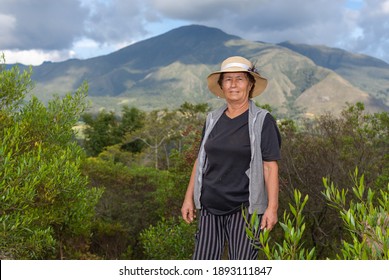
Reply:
x=170, y=69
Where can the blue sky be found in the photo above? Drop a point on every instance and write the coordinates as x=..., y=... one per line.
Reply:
x=33, y=31
x=354, y=4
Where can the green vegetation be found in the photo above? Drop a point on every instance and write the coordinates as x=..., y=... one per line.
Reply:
x=292, y=245
x=172, y=239
x=365, y=222
x=46, y=206
x=117, y=192
x=365, y=218
x=106, y=129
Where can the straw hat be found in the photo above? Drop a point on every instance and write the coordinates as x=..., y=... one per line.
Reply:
x=236, y=64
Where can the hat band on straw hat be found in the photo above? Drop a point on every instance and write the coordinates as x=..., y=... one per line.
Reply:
x=235, y=64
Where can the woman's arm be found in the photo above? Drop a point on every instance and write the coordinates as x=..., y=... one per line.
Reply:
x=270, y=217
x=188, y=210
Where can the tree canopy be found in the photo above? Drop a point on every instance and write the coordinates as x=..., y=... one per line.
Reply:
x=45, y=202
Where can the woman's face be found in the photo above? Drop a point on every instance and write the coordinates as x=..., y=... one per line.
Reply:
x=236, y=86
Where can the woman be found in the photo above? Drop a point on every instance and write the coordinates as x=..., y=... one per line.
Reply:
x=236, y=166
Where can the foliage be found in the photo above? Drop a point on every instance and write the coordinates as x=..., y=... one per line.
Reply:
x=119, y=209
x=106, y=129
x=137, y=196
x=13, y=87
x=165, y=131
x=45, y=203
x=366, y=219
x=134, y=198
x=160, y=127
x=366, y=222
x=293, y=227
x=168, y=240
x=110, y=240
x=330, y=146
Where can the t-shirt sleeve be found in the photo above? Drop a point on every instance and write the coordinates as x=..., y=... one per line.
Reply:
x=270, y=140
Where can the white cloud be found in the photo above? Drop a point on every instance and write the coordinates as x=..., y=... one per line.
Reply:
x=86, y=28
x=86, y=48
x=34, y=57
x=198, y=10
x=275, y=21
x=7, y=23
x=44, y=24
x=385, y=7
x=373, y=22
x=116, y=21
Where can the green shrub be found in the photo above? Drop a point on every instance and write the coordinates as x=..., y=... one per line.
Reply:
x=293, y=227
x=366, y=219
x=45, y=204
x=365, y=225
x=169, y=240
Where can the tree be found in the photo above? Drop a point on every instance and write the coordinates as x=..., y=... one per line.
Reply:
x=100, y=132
x=137, y=196
x=165, y=131
x=159, y=128
x=13, y=87
x=134, y=198
x=45, y=203
x=330, y=146
x=106, y=129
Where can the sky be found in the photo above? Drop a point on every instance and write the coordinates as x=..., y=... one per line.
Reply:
x=34, y=31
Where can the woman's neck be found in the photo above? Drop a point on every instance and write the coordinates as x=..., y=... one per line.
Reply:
x=236, y=109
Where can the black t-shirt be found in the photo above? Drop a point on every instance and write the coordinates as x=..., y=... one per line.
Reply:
x=225, y=184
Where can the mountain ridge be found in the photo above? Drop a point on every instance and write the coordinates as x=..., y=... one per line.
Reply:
x=169, y=69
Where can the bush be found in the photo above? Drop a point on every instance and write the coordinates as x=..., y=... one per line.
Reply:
x=293, y=227
x=365, y=225
x=168, y=240
x=45, y=204
x=329, y=147
x=366, y=220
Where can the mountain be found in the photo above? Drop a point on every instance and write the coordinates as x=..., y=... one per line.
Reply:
x=367, y=73
x=170, y=69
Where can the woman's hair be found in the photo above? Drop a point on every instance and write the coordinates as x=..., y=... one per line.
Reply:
x=249, y=77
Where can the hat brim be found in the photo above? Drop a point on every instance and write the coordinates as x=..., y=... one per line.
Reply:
x=214, y=87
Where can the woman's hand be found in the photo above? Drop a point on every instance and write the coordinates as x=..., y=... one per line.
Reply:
x=188, y=211
x=269, y=219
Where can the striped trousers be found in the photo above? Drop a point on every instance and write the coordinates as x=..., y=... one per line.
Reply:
x=214, y=232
